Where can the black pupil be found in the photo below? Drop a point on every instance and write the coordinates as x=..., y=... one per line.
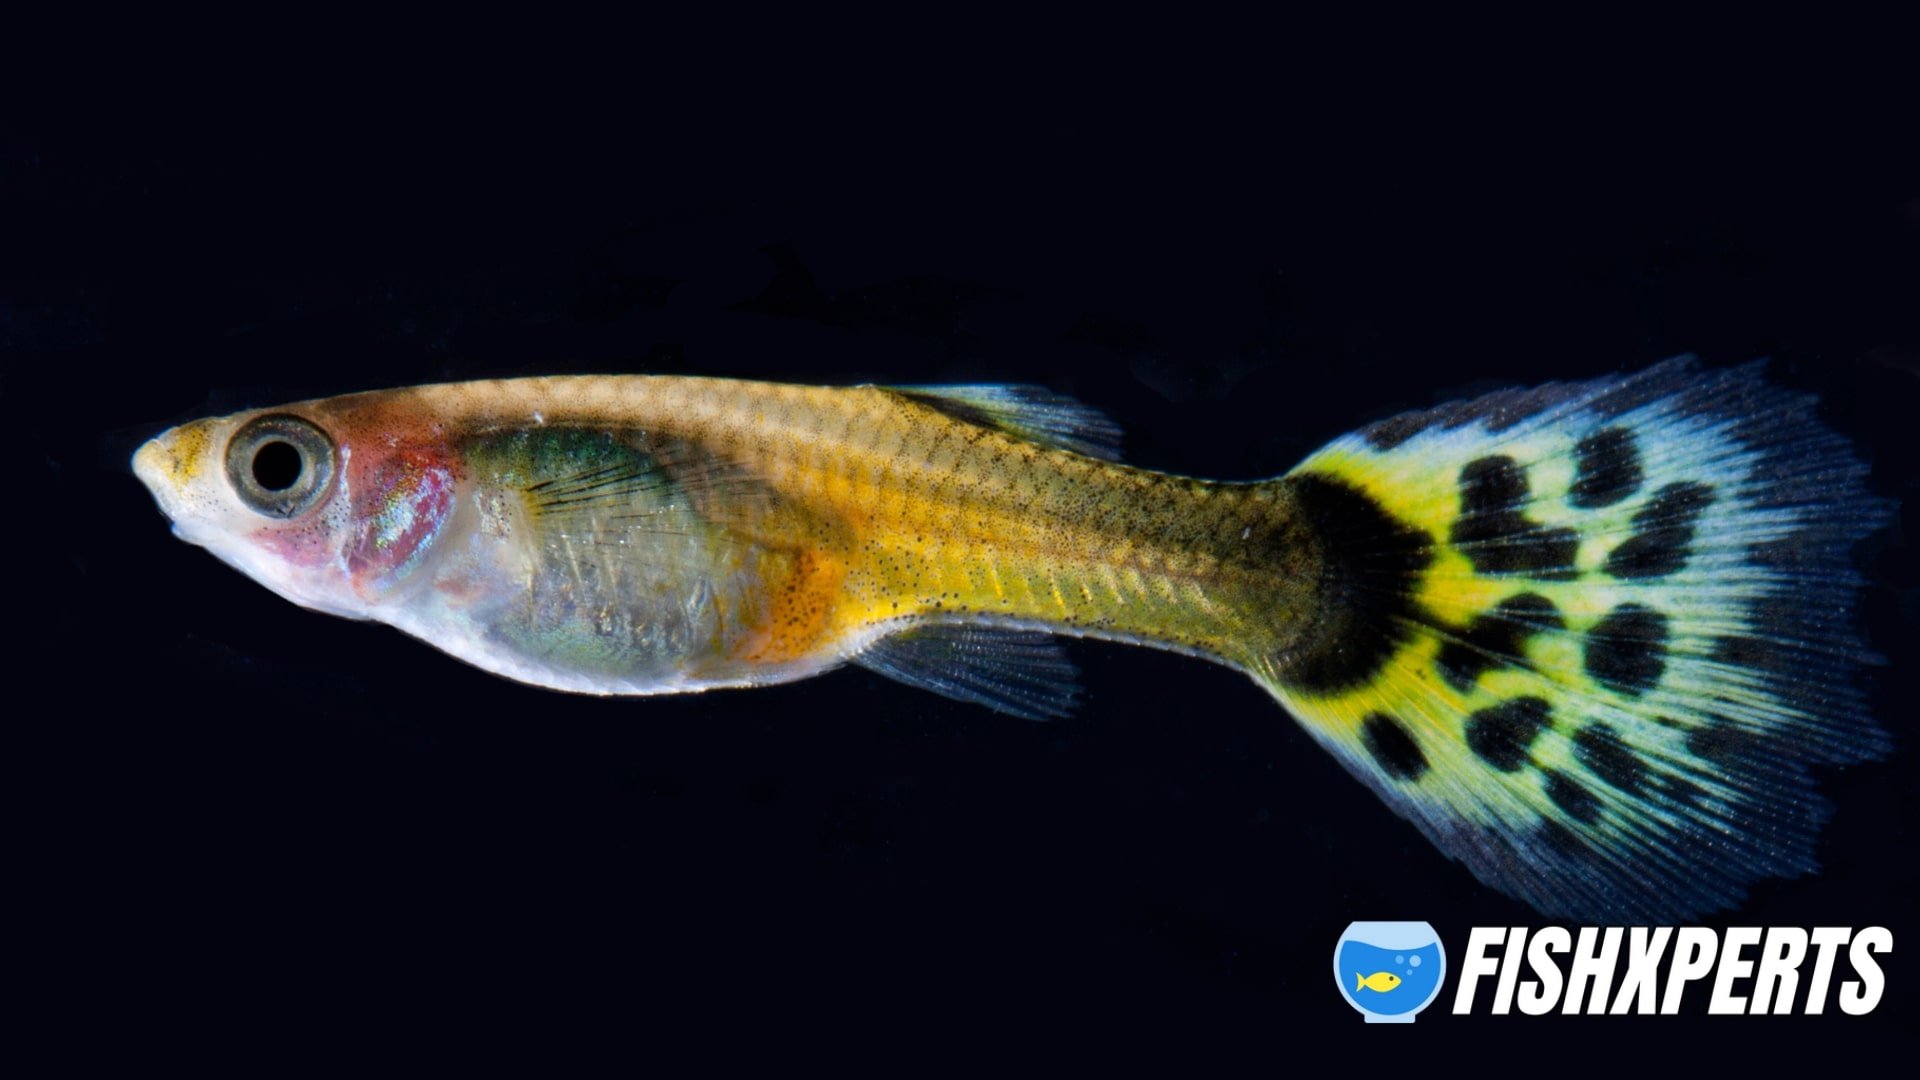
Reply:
x=277, y=465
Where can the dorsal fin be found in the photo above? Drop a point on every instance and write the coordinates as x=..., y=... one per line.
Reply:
x=1030, y=412
x=1019, y=672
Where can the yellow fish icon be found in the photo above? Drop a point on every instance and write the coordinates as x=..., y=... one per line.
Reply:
x=1381, y=981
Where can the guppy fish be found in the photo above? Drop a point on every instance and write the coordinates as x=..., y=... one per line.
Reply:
x=1588, y=637
x=1379, y=981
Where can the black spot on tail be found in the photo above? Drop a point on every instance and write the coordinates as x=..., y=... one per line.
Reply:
x=1663, y=533
x=1367, y=573
x=1561, y=840
x=1390, y=433
x=1495, y=536
x=1722, y=743
x=1568, y=795
x=1627, y=650
x=1683, y=791
x=1392, y=748
x=1606, y=469
x=1496, y=640
x=1499, y=411
x=1502, y=734
x=1749, y=652
x=1599, y=748
x=1792, y=671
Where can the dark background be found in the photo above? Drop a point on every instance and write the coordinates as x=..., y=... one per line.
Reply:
x=240, y=815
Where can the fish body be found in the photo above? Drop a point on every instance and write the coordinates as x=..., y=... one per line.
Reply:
x=1379, y=981
x=1588, y=637
x=638, y=535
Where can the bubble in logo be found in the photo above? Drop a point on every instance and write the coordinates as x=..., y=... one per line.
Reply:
x=1389, y=970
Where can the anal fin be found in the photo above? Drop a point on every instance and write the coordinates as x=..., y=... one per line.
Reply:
x=1021, y=673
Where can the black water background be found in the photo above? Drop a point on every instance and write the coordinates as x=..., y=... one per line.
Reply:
x=238, y=815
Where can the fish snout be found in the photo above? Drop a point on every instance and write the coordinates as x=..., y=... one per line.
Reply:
x=154, y=465
x=170, y=461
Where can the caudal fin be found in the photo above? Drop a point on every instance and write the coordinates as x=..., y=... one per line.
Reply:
x=1591, y=637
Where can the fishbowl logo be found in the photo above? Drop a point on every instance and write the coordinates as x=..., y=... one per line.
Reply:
x=1389, y=971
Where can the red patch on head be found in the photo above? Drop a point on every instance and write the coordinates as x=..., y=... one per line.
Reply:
x=400, y=501
x=308, y=542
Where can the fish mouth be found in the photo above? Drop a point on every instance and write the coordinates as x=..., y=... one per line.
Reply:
x=168, y=463
x=158, y=466
x=154, y=465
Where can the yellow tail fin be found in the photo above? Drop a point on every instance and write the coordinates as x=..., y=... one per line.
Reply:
x=1602, y=637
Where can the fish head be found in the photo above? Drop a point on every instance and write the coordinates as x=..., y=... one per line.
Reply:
x=328, y=511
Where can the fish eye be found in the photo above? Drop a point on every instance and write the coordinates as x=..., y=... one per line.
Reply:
x=280, y=466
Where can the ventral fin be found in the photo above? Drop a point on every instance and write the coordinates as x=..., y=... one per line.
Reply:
x=1030, y=412
x=1021, y=673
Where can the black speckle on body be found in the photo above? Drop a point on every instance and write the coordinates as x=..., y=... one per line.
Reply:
x=1627, y=650
x=1606, y=468
x=1496, y=640
x=1392, y=748
x=1496, y=537
x=1502, y=734
x=1663, y=533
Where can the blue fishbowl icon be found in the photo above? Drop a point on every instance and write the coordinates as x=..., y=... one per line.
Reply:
x=1389, y=971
